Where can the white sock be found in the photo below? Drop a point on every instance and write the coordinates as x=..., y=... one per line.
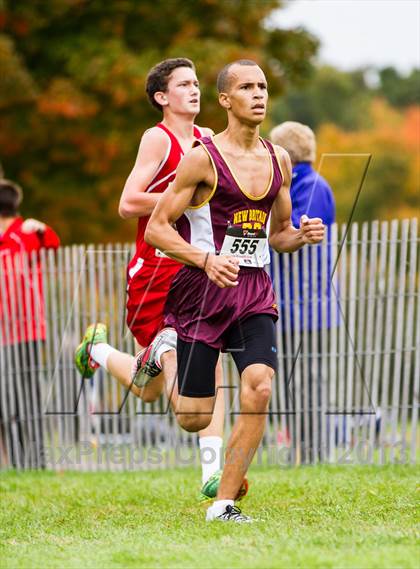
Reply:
x=167, y=339
x=218, y=507
x=161, y=350
x=210, y=456
x=100, y=353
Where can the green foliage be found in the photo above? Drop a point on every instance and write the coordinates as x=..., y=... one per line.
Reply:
x=350, y=119
x=332, y=96
x=72, y=103
x=312, y=517
x=17, y=86
x=391, y=187
x=399, y=90
x=388, y=173
x=293, y=50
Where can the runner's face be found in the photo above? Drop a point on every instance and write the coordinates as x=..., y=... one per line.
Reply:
x=248, y=93
x=183, y=91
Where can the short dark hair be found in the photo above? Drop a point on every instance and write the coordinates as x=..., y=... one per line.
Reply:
x=223, y=79
x=158, y=77
x=10, y=198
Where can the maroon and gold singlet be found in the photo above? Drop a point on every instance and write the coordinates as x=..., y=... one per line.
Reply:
x=233, y=222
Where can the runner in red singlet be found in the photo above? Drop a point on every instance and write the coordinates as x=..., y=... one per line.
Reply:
x=173, y=88
x=150, y=273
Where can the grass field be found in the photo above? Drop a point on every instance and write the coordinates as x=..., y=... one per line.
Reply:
x=340, y=517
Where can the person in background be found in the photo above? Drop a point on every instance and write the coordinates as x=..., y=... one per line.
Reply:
x=311, y=195
x=22, y=328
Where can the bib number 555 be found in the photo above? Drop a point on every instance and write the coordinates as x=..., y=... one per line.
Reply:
x=244, y=246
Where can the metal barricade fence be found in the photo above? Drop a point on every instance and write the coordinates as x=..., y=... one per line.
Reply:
x=346, y=389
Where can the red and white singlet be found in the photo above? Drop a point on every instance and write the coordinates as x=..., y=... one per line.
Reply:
x=149, y=273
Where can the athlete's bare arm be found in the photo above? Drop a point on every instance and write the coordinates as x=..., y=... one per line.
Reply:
x=193, y=183
x=135, y=201
x=284, y=238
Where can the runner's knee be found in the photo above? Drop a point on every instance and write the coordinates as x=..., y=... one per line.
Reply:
x=193, y=423
x=263, y=391
x=256, y=387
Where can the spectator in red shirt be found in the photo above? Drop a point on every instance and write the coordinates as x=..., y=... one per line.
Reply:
x=22, y=328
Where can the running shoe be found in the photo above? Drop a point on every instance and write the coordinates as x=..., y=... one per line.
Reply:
x=231, y=514
x=210, y=488
x=146, y=365
x=95, y=334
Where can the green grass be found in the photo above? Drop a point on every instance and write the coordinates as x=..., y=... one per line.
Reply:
x=342, y=517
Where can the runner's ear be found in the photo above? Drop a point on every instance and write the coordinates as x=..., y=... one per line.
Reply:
x=160, y=98
x=224, y=100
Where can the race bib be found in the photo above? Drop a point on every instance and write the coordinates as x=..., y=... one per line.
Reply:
x=249, y=246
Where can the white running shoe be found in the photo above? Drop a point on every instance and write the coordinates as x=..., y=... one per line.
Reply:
x=146, y=366
x=230, y=514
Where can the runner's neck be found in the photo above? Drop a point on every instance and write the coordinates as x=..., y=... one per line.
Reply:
x=240, y=137
x=181, y=126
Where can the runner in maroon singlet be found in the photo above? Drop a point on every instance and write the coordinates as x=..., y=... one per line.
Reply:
x=221, y=198
x=229, y=221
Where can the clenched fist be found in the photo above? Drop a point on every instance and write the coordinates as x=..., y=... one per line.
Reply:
x=312, y=229
x=222, y=270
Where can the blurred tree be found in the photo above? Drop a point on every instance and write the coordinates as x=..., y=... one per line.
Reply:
x=354, y=118
x=400, y=90
x=391, y=187
x=342, y=97
x=72, y=101
x=332, y=96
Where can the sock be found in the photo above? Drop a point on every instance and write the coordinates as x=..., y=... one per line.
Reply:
x=219, y=506
x=210, y=456
x=167, y=340
x=161, y=350
x=100, y=353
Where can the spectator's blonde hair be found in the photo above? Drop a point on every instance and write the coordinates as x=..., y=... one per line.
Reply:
x=297, y=138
